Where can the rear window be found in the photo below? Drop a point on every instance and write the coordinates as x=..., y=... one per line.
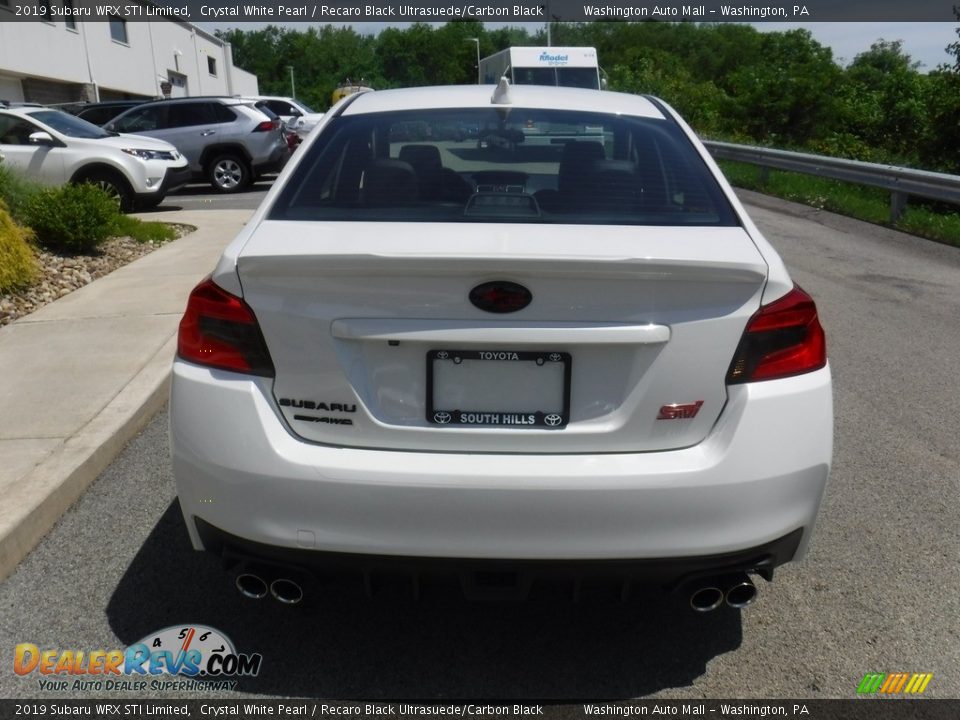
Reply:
x=503, y=165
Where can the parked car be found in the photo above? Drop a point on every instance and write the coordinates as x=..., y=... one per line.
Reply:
x=578, y=359
x=227, y=141
x=100, y=113
x=296, y=116
x=54, y=147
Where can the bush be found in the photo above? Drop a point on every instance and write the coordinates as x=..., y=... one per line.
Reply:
x=14, y=191
x=76, y=218
x=18, y=266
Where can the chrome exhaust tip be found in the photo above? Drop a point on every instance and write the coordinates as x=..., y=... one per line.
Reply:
x=706, y=599
x=286, y=591
x=741, y=594
x=252, y=586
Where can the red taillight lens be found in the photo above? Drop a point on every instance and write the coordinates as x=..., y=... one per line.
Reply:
x=267, y=126
x=782, y=339
x=220, y=330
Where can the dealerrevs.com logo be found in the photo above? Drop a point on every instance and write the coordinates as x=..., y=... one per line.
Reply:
x=180, y=657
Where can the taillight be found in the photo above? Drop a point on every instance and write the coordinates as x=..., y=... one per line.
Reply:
x=220, y=330
x=267, y=126
x=782, y=339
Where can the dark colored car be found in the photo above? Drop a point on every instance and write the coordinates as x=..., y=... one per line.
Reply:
x=100, y=113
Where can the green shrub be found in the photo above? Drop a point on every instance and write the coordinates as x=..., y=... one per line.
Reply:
x=76, y=218
x=14, y=191
x=18, y=266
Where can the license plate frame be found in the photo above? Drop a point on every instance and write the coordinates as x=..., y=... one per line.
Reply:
x=512, y=419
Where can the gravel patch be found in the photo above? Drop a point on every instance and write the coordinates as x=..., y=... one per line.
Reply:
x=62, y=273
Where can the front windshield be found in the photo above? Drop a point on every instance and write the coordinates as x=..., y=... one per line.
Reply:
x=69, y=125
x=581, y=77
x=306, y=108
x=495, y=165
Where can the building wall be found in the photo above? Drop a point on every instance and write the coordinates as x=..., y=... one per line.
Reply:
x=74, y=64
x=181, y=49
x=41, y=50
x=245, y=83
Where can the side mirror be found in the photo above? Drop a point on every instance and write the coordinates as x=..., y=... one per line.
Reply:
x=42, y=138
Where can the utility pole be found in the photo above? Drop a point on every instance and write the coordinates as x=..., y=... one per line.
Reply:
x=293, y=87
x=477, y=41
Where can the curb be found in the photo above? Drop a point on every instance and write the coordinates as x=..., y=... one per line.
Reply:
x=70, y=469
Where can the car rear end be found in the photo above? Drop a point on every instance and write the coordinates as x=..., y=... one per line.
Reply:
x=263, y=136
x=504, y=362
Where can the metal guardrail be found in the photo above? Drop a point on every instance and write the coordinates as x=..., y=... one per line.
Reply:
x=901, y=182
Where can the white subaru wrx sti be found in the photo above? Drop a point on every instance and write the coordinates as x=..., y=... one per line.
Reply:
x=557, y=348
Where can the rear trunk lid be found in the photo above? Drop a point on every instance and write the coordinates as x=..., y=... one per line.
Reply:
x=624, y=346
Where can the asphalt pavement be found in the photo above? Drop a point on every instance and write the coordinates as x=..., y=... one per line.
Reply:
x=81, y=375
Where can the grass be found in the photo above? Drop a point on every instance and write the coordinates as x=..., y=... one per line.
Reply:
x=143, y=231
x=857, y=201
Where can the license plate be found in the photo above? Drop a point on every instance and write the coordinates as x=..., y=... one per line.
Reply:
x=498, y=388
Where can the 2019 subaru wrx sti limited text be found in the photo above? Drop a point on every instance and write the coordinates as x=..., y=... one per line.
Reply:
x=566, y=350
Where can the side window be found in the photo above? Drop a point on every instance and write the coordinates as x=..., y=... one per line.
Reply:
x=97, y=116
x=282, y=108
x=189, y=114
x=223, y=114
x=15, y=131
x=141, y=120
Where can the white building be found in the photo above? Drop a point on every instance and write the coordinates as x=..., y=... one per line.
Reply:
x=64, y=60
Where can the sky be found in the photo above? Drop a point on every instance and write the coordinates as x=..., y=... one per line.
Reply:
x=924, y=42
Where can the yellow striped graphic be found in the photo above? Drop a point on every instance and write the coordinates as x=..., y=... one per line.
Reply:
x=895, y=683
x=918, y=683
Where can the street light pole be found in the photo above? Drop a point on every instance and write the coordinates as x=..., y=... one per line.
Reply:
x=293, y=87
x=477, y=41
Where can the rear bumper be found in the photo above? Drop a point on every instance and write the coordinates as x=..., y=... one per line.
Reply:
x=278, y=158
x=758, y=477
x=484, y=575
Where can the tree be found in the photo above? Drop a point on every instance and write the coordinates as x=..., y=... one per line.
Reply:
x=954, y=47
x=883, y=99
x=788, y=95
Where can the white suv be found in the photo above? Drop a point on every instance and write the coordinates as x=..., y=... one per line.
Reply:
x=295, y=115
x=506, y=363
x=55, y=148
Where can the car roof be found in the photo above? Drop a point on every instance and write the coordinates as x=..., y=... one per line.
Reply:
x=9, y=104
x=27, y=109
x=248, y=98
x=226, y=99
x=478, y=96
x=111, y=103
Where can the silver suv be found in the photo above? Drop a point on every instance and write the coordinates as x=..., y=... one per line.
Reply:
x=226, y=140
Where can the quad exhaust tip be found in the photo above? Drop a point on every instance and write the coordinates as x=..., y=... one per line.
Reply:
x=286, y=591
x=252, y=586
x=737, y=591
x=706, y=599
x=258, y=582
x=741, y=594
